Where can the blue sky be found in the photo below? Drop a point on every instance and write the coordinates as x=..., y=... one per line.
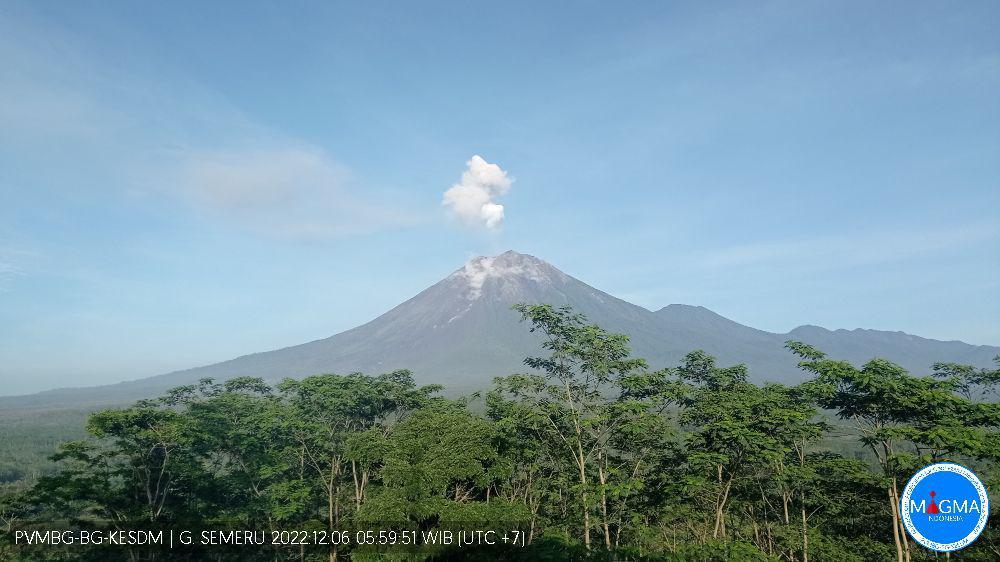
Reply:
x=184, y=182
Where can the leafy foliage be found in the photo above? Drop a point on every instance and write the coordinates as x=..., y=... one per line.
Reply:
x=591, y=453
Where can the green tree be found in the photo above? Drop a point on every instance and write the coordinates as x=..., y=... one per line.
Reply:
x=339, y=425
x=737, y=430
x=568, y=403
x=904, y=420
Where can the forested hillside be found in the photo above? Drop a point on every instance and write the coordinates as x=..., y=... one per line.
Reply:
x=28, y=439
x=592, y=456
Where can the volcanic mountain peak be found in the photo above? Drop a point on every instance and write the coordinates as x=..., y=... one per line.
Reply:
x=461, y=332
x=508, y=267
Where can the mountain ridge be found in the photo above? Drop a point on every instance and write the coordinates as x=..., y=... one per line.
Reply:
x=461, y=332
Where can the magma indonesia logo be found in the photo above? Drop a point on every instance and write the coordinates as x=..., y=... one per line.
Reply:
x=944, y=507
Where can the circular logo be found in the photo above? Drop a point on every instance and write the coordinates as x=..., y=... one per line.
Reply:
x=944, y=507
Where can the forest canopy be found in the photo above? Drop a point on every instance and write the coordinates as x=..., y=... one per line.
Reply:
x=589, y=452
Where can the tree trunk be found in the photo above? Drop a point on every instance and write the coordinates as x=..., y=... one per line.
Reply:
x=329, y=507
x=583, y=499
x=534, y=518
x=336, y=506
x=805, y=532
x=581, y=461
x=360, y=483
x=604, y=501
x=802, y=500
x=785, y=494
x=895, y=526
x=898, y=532
x=720, y=506
x=899, y=521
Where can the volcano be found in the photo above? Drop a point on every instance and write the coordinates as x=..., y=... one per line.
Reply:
x=461, y=332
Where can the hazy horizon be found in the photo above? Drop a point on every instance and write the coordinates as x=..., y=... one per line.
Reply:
x=182, y=184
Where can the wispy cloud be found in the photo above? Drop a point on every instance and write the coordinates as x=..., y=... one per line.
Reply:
x=8, y=271
x=472, y=199
x=289, y=190
x=165, y=134
x=11, y=266
x=851, y=249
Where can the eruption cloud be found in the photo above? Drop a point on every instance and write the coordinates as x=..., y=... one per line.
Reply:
x=471, y=200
